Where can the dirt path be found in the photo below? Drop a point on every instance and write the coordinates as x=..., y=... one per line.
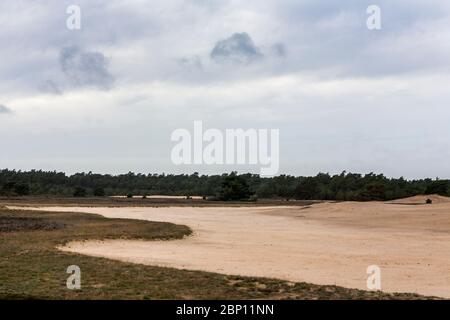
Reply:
x=322, y=244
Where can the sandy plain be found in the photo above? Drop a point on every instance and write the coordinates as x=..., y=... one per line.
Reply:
x=326, y=243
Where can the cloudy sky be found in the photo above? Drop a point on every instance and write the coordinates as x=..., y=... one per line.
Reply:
x=107, y=97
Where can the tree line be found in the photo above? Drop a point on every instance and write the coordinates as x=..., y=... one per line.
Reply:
x=232, y=186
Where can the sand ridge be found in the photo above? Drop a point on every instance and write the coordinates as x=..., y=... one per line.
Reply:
x=328, y=243
x=421, y=199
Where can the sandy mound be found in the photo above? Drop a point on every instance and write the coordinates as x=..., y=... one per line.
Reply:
x=421, y=199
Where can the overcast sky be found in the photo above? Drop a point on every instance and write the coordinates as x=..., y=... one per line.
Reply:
x=107, y=97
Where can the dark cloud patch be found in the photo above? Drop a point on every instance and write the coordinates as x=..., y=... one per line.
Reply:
x=239, y=48
x=85, y=68
x=279, y=49
x=191, y=63
x=4, y=109
x=51, y=87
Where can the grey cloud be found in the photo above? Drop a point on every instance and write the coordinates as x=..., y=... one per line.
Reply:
x=329, y=39
x=191, y=63
x=4, y=109
x=334, y=37
x=239, y=48
x=279, y=49
x=49, y=86
x=85, y=68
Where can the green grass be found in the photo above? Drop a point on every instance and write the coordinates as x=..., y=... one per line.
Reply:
x=32, y=268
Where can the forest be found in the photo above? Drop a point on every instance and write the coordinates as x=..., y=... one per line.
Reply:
x=229, y=186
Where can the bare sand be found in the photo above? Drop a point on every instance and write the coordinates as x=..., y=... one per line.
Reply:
x=328, y=243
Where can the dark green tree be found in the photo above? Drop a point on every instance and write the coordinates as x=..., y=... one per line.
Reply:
x=234, y=188
x=373, y=191
x=308, y=189
x=99, y=192
x=22, y=189
x=438, y=187
x=79, y=192
x=8, y=188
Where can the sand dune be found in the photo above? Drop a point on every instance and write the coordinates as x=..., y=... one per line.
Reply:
x=329, y=243
x=421, y=199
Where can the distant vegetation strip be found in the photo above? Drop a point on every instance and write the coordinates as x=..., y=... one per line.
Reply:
x=323, y=186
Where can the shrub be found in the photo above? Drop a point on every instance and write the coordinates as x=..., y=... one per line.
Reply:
x=22, y=189
x=438, y=187
x=99, y=192
x=79, y=192
x=308, y=189
x=234, y=188
x=373, y=191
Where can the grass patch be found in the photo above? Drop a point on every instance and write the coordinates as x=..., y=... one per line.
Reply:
x=11, y=224
x=32, y=268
